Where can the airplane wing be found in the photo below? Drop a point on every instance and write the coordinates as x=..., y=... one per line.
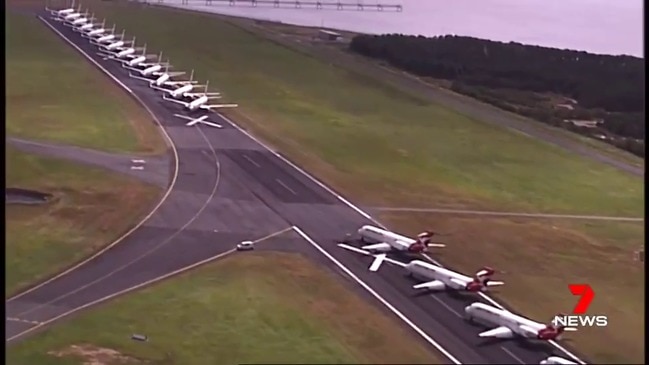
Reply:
x=431, y=285
x=499, y=332
x=495, y=283
x=218, y=106
x=377, y=247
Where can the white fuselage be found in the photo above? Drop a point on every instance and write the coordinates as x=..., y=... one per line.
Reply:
x=427, y=271
x=179, y=92
x=150, y=70
x=115, y=45
x=490, y=315
x=80, y=21
x=557, y=360
x=197, y=103
x=136, y=61
x=106, y=38
x=96, y=32
x=85, y=27
x=70, y=17
x=125, y=52
x=65, y=11
x=162, y=79
x=396, y=241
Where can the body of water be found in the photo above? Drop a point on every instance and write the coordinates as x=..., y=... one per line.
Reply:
x=597, y=26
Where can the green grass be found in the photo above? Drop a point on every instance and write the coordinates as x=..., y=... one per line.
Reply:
x=54, y=94
x=403, y=149
x=41, y=240
x=271, y=308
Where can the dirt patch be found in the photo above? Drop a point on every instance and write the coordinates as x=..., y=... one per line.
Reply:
x=94, y=355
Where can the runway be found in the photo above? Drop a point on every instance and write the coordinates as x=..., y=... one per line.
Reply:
x=230, y=188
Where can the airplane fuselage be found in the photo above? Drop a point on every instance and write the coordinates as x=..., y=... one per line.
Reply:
x=396, y=241
x=80, y=21
x=85, y=27
x=427, y=271
x=136, y=61
x=64, y=11
x=125, y=52
x=162, y=79
x=557, y=360
x=490, y=315
x=179, y=92
x=148, y=71
x=106, y=38
x=96, y=32
x=197, y=103
x=72, y=16
x=115, y=45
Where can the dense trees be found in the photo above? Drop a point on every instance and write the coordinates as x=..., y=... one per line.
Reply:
x=512, y=76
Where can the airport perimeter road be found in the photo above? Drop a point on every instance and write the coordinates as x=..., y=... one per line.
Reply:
x=229, y=188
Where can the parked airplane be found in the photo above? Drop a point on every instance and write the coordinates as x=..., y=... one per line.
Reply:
x=390, y=241
x=118, y=45
x=71, y=16
x=442, y=278
x=107, y=38
x=62, y=12
x=119, y=53
x=80, y=21
x=86, y=28
x=164, y=78
x=185, y=90
x=556, y=360
x=510, y=324
x=97, y=34
x=201, y=119
x=199, y=103
x=152, y=70
x=138, y=61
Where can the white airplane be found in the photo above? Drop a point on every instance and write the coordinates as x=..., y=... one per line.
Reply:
x=107, y=38
x=390, y=241
x=62, y=12
x=199, y=103
x=88, y=27
x=441, y=278
x=149, y=70
x=164, y=78
x=185, y=90
x=81, y=20
x=130, y=60
x=202, y=119
x=556, y=360
x=511, y=325
x=116, y=46
x=72, y=16
x=120, y=53
x=99, y=33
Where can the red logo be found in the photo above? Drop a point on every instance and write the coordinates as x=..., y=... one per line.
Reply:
x=586, y=294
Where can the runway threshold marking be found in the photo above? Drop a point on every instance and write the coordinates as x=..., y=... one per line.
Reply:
x=376, y=295
x=368, y=217
x=153, y=211
x=146, y=283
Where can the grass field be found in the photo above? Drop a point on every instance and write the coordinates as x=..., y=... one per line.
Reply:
x=54, y=94
x=379, y=146
x=271, y=308
x=91, y=208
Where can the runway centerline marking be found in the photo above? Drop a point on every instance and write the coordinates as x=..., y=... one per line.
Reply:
x=148, y=282
x=153, y=211
x=445, y=305
x=512, y=355
x=13, y=319
x=285, y=186
x=251, y=160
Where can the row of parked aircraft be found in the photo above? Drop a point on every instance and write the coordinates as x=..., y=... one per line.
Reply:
x=142, y=66
x=378, y=243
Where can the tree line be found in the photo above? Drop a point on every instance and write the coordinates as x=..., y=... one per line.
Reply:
x=610, y=88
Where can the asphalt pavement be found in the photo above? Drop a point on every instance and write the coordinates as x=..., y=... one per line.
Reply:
x=230, y=188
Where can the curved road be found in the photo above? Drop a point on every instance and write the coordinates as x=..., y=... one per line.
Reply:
x=229, y=188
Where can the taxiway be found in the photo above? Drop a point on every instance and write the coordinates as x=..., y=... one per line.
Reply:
x=228, y=187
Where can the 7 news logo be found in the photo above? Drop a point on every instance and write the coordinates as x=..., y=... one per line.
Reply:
x=579, y=318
